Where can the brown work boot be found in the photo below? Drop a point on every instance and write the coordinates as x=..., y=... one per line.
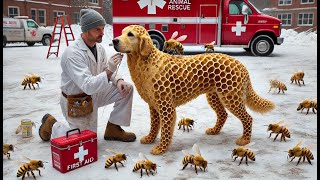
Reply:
x=46, y=127
x=115, y=132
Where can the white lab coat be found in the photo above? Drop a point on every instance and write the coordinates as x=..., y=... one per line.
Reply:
x=82, y=73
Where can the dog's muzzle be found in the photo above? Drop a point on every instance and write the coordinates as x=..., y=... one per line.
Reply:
x=115, y=44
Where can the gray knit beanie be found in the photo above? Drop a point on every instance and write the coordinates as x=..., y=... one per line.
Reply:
x=89, y=19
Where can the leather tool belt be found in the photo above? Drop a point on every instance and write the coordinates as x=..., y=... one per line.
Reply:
x=79, y=105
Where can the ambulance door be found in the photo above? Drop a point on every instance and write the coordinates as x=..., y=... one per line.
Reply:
x=31, y=30
x=235, y=29
x=208, y=25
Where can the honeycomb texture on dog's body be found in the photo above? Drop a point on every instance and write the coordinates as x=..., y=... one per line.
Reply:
x=165, y=82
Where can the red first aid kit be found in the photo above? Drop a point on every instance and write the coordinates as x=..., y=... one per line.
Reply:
x=74, y=150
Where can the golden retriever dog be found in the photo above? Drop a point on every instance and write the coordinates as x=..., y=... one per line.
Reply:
x=165, y=82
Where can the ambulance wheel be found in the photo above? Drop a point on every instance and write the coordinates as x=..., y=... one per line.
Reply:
x=46, y=40
x=262, y=45
x=30, y=43
x=157, y=41
x=4, y=40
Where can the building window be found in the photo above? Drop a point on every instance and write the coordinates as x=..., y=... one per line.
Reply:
x=75, y=18
x=285, y=2
x=93, y=1
x=34, y=14
x=307, y=1
x=285, y=19
x=305, y=19
x=42, y=17
x=13, y=11
x=56, y=14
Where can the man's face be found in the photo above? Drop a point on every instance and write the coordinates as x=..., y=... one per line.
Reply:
x=96, y=34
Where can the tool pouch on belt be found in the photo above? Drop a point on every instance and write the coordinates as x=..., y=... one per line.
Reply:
x=79, y=106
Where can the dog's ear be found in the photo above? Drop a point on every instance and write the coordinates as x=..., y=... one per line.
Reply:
x=145, y=45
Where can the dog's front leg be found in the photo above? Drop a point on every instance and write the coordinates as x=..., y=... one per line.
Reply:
x=154, y=130
x=167, y=114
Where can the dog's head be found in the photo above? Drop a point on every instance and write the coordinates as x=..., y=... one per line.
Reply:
x=133, y=40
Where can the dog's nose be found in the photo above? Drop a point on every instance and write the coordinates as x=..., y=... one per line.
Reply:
x=115, y=41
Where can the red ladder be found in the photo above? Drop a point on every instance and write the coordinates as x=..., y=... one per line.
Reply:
x=62, y=23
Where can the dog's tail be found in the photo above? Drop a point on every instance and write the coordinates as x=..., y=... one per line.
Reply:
x=257, y=103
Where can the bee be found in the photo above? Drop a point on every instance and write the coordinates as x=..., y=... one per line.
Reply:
x=244, y=151
x=31, y=79
x=297, y=77
x=146, y=164
x=30, y=166
x=117, y=158
x=277, y=84
x=304, y=152
x=7, y=148
x=308, y=104
x=196, y=160
x=278, y=129
x=186, y=122
x=173, y=46
x=210, y=47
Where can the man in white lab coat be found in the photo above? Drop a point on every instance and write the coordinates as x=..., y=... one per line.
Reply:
x=90, y=79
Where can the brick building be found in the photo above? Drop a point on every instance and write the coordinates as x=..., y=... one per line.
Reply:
x=44, y=12
x=300, y=15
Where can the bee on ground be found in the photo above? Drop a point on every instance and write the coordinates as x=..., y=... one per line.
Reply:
x=30, y=166
x=186, y=122
x=173, y=46
x=297, y=77
x=210, y=47
x=31, y=79
x=116, y=158
x=146, y=164
x=277, y=84
x=7, y=148
x=278, y=129
x=244, y=151
x=304, y=152
x=308, y=104
x=196, y=160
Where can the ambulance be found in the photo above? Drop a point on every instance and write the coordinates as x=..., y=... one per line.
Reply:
x=227, y=23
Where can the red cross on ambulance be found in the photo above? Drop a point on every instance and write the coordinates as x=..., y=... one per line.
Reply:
x=238, y=28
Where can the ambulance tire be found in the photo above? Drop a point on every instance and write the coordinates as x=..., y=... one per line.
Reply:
x=157, y=41
x=30, y=43
x=46, y=40
x=262, y=45
x=4, y=40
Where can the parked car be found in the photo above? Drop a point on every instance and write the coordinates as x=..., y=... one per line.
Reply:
x=24, y=29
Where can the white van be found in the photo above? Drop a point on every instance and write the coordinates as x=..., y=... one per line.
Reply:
x=23, y=29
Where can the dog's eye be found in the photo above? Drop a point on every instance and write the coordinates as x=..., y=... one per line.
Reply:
x=130, y=34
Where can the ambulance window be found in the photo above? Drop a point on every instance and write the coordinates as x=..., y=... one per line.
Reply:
x=235, y=7
x=164, y=28
x=31, y=24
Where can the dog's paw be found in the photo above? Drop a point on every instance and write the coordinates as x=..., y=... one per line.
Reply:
x=242, y=141
x=212, y=131
x=158, y=150
x=147, y=140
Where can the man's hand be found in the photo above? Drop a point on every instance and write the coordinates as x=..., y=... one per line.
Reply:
x=113, y=62
x=124, y=88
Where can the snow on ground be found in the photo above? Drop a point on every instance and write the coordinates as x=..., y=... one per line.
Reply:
x=297, y=52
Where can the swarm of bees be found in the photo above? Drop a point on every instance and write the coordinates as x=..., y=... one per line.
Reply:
x=196, y=160
x=186, y=122
x=278, y=129
x=173, y=46
x=244, y=151
x=146, y=164
x=210, y=47
x=31, y=166
x=304, y=152
x=308, y=104
x=297, y=77
x=277, y=85
x=7, y=148
x=31, y=79
x=116, y=158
